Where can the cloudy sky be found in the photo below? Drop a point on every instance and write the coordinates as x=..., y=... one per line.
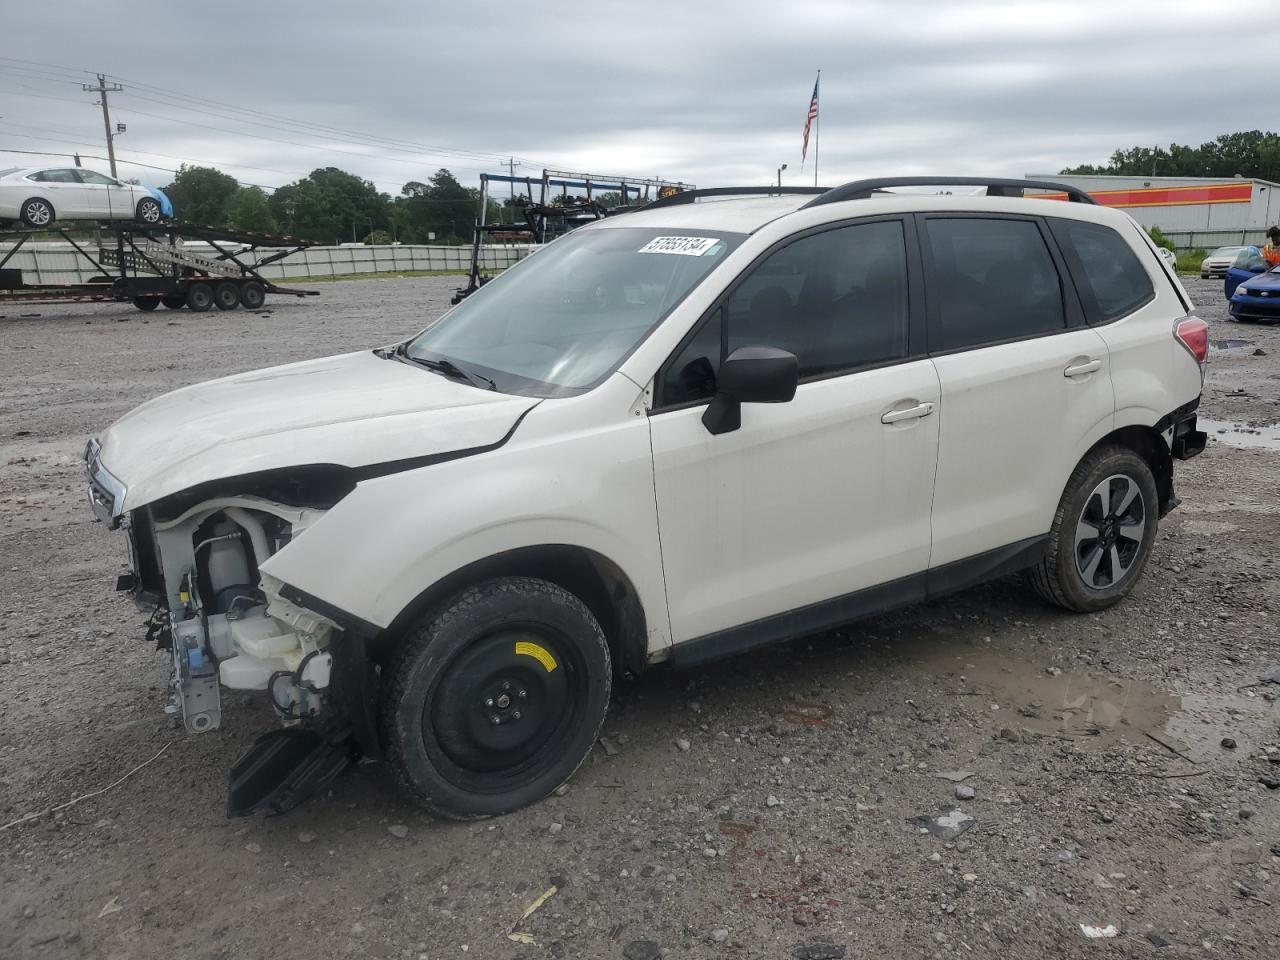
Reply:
x=708, y=92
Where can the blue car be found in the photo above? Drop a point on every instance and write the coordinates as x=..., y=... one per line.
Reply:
x=1257, y=297
x=1248, y=263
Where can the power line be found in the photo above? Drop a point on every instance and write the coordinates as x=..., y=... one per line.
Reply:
x=175, y=99
x=242, y=115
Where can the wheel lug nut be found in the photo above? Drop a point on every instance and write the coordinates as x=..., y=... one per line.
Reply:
x=516, y=715
x=506, y=685
x=494, y=720
x=522, y=694
x=489, y=702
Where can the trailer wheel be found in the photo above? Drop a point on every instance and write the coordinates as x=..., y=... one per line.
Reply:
x=199, y=297
x=226, y=295
x=253, y=295
x=174, y=301
x=146, y=303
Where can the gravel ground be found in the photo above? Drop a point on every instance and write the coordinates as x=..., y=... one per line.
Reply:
x=759, y=807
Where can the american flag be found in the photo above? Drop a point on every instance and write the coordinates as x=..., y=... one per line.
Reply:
x=808, y=121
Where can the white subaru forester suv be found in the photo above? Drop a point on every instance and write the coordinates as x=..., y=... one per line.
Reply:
x=721, y=420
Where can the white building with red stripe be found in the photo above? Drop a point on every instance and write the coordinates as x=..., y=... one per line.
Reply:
x=1190, y=211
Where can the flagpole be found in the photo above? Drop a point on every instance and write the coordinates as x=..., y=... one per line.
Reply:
x=817, y=129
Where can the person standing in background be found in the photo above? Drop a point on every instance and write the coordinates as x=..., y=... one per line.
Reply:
x=1271, y=250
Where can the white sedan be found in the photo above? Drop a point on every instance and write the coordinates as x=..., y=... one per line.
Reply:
x=37, y=196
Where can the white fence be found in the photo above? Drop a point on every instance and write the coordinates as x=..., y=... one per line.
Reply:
x=1208, y=239
x=58, y=262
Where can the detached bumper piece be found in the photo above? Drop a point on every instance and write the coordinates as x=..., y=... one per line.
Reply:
x=285, y=767
x=1188, y=442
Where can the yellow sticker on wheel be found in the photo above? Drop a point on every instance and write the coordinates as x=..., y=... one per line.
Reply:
x=526, y=649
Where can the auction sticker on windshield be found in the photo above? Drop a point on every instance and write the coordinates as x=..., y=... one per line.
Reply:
x=684, y=246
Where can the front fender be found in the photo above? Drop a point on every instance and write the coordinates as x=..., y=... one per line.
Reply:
x=395, y=536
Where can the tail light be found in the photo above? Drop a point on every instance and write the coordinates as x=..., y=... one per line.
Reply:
x=1193, y=333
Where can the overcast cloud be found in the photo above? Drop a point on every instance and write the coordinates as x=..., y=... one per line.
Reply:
x=708, y=92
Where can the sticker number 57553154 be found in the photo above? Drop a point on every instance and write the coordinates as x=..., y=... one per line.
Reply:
x=684, y=246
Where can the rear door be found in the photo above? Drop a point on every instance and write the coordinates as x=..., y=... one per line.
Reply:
x=70, y=197
x=1025, y=383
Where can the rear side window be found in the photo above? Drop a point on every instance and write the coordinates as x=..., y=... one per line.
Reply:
x=1109, y=276
x=55, y=176
x=993, y=280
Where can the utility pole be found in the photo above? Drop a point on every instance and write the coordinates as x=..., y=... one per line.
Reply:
x=102, y=89
x=511, y=168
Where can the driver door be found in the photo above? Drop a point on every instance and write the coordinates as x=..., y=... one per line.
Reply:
x=787, y=523
x=112, y=198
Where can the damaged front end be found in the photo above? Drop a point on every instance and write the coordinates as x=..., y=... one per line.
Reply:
x=194, y=564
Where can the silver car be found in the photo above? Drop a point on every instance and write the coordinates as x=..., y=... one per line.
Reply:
x=1217, y=262
x=37, y=196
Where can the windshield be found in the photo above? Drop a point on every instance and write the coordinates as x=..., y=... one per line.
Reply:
x=559, y=322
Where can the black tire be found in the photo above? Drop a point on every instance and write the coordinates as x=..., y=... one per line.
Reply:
x=226, y=295
x=148, y=211
x=253, y=295
x=146, y=303
x=37, y=212
x=1082, y=572
x=199, y=297
x=174, y=301
x=495, y=698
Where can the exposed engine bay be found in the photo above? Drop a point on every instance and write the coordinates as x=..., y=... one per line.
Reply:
x=224, y=622
x=195, y=567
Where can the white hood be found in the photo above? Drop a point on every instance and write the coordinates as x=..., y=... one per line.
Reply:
x=354, y=410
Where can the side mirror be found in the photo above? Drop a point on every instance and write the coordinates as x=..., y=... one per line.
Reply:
x=750, y=375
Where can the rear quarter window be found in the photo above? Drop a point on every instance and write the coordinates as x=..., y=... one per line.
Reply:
x=1109, y=276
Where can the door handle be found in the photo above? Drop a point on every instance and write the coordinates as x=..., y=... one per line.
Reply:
x=1080, y=369
x=911, y=413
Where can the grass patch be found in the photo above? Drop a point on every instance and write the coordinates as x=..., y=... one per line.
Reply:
x=381, y=275
x=1189, y=260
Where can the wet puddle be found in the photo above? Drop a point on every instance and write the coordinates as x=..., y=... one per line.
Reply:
x=1230, y=344
x=1241, y=434
x=1094, y=712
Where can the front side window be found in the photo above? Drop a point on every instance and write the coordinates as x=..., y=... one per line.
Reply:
x=1111, y=280
x=994, y=280
x=91, y=176
x=559, y=322
x=836, y=299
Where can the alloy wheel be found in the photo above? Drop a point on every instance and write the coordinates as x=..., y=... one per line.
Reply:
x=38, y=213
x=1109, y=532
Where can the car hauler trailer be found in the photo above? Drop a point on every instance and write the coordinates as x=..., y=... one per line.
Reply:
x=554, y=215
x=149, y=265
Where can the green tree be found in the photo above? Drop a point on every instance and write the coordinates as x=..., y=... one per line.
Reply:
x=202, y=195
x=1249, y=153
x=330, y=205
x=1159, y=239
x=251, y=210
x=441, y=206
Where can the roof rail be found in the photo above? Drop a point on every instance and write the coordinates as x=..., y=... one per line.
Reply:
x=996, y=187
x=689, y=196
